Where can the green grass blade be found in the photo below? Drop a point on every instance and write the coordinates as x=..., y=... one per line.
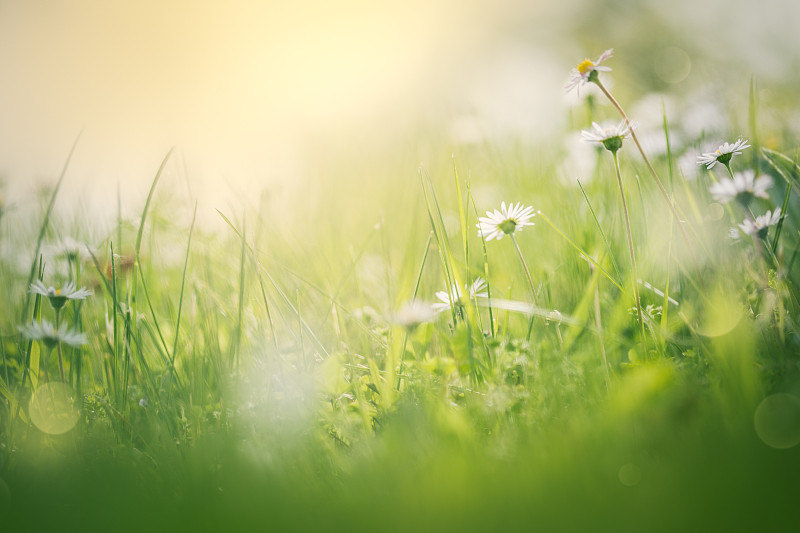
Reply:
x=602, y=233
x=143, y=218
x=752, y=114
x=277, y=288
x=44, y=226
x=237, y=335
x=485, y=265
x=580, y=250
x=180, y=301
x=670, y=164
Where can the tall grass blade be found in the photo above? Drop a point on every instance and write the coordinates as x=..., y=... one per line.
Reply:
x=599, y=227
x=180, y=302
x=43, y=228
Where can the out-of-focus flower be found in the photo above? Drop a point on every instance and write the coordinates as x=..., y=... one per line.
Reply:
x=743, y=187
x=58, y=297
x=50, y=335
x=413, y=314
x=760, y=226
x=456, y=295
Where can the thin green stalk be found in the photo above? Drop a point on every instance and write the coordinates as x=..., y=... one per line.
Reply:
x=26, y=368
x=266, y=307
x=525, y=268
x=61, y=364
x=330, y=298
x=630, y=243
x=752, y=119
x=485, y=270
x=77, y=354
x=44, y=226
x=3, y=352
x=665, y=305
x=437, y=225
x=670, y=166
x=528, y=276
x=180, y=303
x=789, y=186
x=237, y=338
x=163, y=343
x=300, y=331
x=728, y=167
x=137, y=248
x=414, y=297
x=583, y=253
x=275, y=285
x=58, y=345
x=602, y=233
x=462, y=216
x=779, y=228
x=653, y=172
x=599, y=325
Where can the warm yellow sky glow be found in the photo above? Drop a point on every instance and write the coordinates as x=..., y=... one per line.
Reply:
x=241, y=88
x=224, y=78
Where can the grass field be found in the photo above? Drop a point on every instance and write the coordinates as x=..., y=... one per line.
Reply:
x=360, y=355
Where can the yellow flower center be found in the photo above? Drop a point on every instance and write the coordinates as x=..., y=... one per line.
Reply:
x=58, y=292
x=585, y=66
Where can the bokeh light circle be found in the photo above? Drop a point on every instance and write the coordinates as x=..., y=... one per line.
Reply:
x=673, y=64
x=777, y=421
x=52, y=408
x=715, y=211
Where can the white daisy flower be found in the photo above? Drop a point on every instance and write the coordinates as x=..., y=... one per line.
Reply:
x=456, y=295
x=743, y=187
x=50, y=335
x=610, y=137
x=504, y=221
x=585, y=70
x=58, y=297
x=760, y=226
x=413, y=314
x=723, y=154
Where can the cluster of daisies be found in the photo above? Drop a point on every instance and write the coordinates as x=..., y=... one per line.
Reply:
x=741, y=188
x=54, y=334
x=507, y=220
x=511, y=218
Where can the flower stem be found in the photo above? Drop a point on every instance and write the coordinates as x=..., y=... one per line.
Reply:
x=660, y=184
x=525, y=267
x=728, y=166
x=630, y=244
x=530, y=279
x=61, y=363
x=58, y=346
